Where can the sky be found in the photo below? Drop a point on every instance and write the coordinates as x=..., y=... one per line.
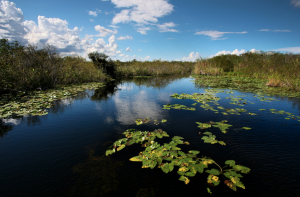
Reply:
x=146, y=30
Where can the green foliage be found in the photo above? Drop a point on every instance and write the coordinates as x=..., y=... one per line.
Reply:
x=26, y=68
x=167, y=156
x=101, y=61
x=223, y=61
x=211, y=139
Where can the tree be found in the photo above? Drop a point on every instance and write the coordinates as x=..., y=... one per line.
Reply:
x=103, y=62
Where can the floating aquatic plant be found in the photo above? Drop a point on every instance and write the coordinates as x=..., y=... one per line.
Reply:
x=222, y=125
x=36, y=102
x=167, y=156
x=177, y=106
x=210, y=138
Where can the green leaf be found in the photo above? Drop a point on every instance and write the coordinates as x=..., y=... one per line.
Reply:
x=246, y=128
x=200, y=167
x=213, y=171
x=171, y=167
x=108, y=152
x=208, y=190
x=191, y=174
x=194, y=152
x=231, y=163
x=165, y=168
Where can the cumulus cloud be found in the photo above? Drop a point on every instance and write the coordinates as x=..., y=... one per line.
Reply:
x=118, y=52
x=52, y=31
x=91, y=20
x=192, y=57
x=166, y=27
x=141, y=11
x=139, y=49
x=147, y=58
x=11, y=23
x=215, y=35
x=289, y=49
x=235, y=52
x=128, y=49
x=124, y=37
x=103, y=32
x=296, y=3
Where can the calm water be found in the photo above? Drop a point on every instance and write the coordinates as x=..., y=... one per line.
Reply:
x=63, y=153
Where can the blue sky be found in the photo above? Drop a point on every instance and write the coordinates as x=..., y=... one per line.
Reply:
x=154, y=29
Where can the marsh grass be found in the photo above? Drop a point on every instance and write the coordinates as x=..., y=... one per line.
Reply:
x=280, y=70
x=154, y=68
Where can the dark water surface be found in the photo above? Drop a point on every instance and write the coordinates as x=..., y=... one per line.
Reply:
x=63, y=153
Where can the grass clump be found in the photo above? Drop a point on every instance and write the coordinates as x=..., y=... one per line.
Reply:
x=280, y=70
x=154, y=68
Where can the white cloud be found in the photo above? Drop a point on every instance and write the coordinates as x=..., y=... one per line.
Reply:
x=125, y=38
x=275, y=30
x=141, y=11
x=104, y=32
x=264, y=30
x=94, y=13
x=217, y=34
x=192, y=57
x=52, y=31
x=289, y=49
x=166, y=27
x=235, y=52
x=118, y=52
x=113, y=26
x=91, y=20
x=11, y=25
x=139, y=49
x=147, y=58
x=143, y=30
x=296, y=3
x=282, y=30
x=128, y=49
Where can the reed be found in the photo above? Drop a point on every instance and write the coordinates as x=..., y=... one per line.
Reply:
x=281, y=70
x=154, y=68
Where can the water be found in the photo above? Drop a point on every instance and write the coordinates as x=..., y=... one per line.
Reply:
x=63, y=153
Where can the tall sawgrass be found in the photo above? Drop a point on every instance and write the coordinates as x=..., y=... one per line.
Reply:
x=280, y=70
x=26, y=68
x=153, y=68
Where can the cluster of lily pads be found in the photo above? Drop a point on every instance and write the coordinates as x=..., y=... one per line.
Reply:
x=140, y=121
x=246, y=84
x=167, y=156
x=36, y=102
x=209, y=97
x=177, y=106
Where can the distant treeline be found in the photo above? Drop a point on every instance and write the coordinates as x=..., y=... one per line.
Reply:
x=26, y=68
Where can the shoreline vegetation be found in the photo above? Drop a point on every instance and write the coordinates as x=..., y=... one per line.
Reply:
x=28, y=69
